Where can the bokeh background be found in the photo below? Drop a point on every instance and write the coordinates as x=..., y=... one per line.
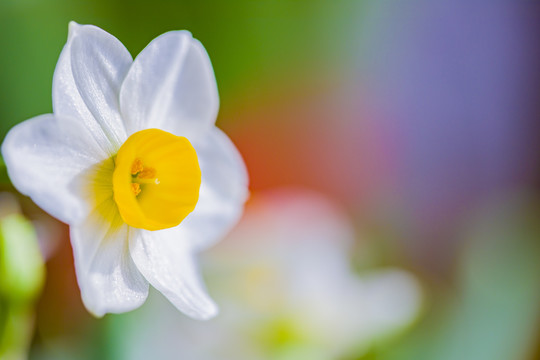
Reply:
x=393, y=150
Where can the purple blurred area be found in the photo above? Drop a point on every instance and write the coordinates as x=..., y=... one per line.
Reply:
x=433, y=110
x=458, y=86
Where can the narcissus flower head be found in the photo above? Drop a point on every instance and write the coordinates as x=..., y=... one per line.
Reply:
x=132, y=160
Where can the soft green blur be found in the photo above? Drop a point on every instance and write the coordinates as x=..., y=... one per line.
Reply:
x=21, y=265
x=22, y=274
x=255, y=46
x=490, y=311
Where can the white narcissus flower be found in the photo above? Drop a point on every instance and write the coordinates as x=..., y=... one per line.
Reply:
x=132, y=161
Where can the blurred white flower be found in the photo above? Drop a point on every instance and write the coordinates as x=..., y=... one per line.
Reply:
x=286, y=290
x=132, y=161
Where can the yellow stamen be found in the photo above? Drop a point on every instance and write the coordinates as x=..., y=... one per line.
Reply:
x=146, y=201
x=147, y=173
x=136, y=167
x=143, y=175
x=136, y=188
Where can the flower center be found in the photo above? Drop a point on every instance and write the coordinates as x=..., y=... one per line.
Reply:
x=156, y=179
x=141, y=175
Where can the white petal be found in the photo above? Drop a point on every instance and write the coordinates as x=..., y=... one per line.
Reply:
x=392, y=298
x=168, y=264
x=171, y=86
x=224, y=189
x=44, y=159
x=87, y=82
x=108, y=278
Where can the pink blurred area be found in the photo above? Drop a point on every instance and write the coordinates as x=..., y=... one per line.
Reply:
x=313, y=140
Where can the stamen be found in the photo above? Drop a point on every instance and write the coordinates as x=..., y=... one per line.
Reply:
x=147, y=173
x=138, y=180
x=136, y=188
x=136, y=167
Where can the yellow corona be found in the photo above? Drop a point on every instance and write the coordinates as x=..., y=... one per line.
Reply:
x=156, y=179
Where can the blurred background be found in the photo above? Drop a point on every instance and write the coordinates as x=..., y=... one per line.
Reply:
x=393, y=150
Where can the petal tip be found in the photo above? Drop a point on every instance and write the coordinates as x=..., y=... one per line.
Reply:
x=94, y=309
x=210, y=312
x=97, y=315
x=4, y=148
x=72, y=28
x=183, y=33
x=99, y=309
x=180, y=35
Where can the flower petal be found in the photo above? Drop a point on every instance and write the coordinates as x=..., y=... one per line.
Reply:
x=168, y=264
x=87, y=81
x=171, y=86
x=44, y=158
x=224, y=189
x=108, y=278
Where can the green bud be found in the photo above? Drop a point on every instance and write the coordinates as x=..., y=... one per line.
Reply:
x=22, y=271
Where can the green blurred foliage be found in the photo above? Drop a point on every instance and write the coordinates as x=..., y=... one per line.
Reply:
x=16, y=329
x=258, y=48
x=21, y=265
x=22, y=275
x=492, y=313
x=4, y=178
